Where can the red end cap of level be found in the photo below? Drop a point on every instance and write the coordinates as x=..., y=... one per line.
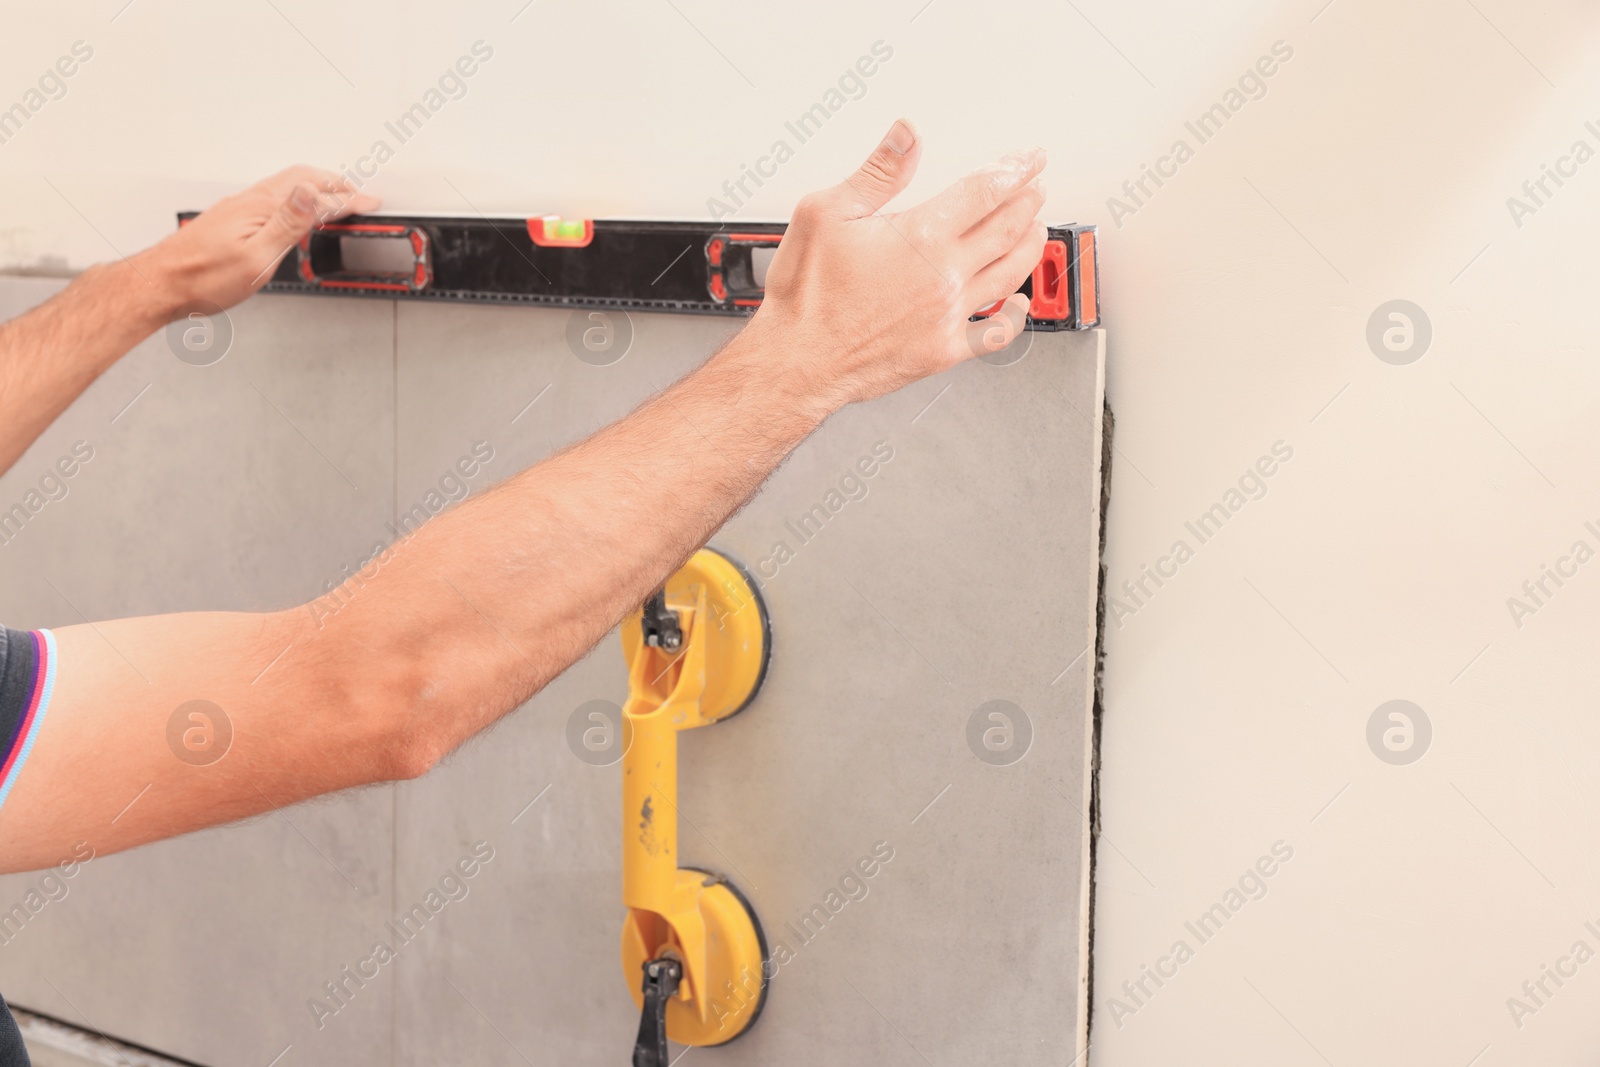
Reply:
x=1088, y=272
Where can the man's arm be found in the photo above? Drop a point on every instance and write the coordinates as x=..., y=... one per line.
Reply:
x=480, y=608
x=51, y=354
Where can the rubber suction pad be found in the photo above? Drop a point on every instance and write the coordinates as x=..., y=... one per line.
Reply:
x=738, y=632
x=736, y=954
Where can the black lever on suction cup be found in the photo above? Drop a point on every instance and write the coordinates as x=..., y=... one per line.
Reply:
x=661, y=626
x=661, y=978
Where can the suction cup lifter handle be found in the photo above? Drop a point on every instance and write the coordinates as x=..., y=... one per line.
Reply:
x=696, y=654
x=661, y=978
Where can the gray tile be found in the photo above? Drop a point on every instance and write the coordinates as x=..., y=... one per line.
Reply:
x=966, y=573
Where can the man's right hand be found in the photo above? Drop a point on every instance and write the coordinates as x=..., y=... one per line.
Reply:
x=868, y=302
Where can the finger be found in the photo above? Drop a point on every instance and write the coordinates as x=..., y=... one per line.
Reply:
x=325, y=181
x=337, y=205
x=882, y=177
x=1002, y=277
x=292, y=220
x=990, y=335
x=975, y=196
x=998, y=232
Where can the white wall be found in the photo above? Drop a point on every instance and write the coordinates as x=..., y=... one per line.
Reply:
x=1377, y=566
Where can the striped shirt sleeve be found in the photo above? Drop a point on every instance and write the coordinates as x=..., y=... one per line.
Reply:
x=27, y=675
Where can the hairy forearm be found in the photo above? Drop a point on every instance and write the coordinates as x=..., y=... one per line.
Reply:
x=452, y=628
x=51, y=354
x=485, y=605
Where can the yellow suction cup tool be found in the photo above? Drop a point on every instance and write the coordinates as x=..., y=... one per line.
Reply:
x=692, y=949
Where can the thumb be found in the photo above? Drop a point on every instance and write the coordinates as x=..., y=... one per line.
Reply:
x=885, y=173
x=293, y=219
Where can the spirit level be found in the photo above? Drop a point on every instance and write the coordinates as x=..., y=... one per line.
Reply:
x=696, y=267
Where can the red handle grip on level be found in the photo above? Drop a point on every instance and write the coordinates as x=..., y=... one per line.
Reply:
x=315, y=245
